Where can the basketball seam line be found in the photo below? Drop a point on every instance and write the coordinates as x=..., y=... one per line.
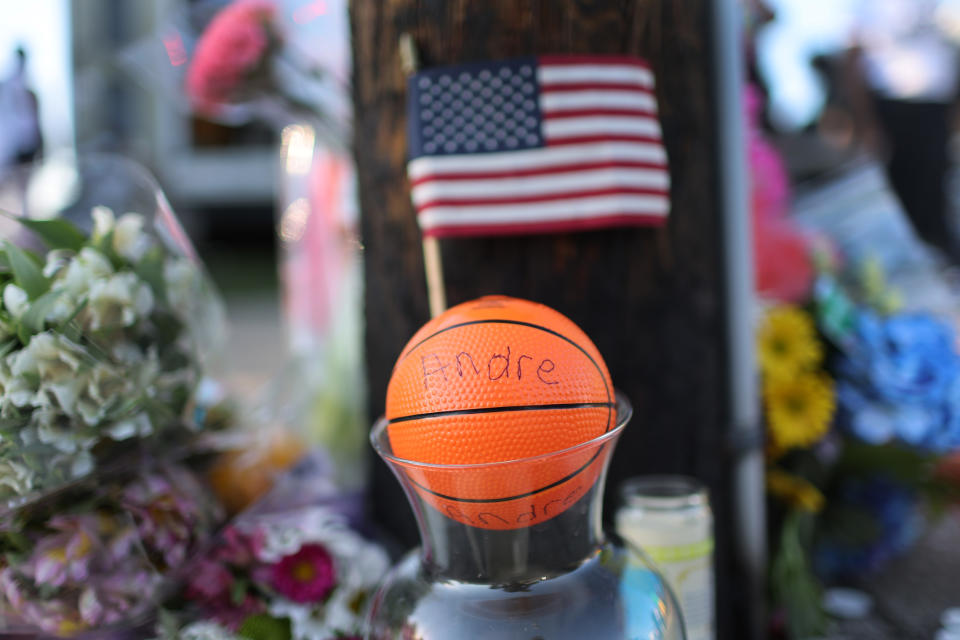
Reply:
x=523, y=324
x=531, y=407
x=517, y=497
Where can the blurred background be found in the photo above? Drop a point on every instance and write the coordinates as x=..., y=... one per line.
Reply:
x=853, y=137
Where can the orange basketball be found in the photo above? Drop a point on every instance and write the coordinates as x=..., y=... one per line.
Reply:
x=491, y=381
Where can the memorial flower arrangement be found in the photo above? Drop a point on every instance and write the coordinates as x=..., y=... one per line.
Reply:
x=303, y=574
x=99, y=347
x=861, y=401
x=101, y=555
x=253, y=59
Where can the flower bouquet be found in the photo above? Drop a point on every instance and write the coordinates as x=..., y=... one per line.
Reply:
x=97, y=347
x=861, y=401
x=302, y=574
x=101, y=554
x=235, y=61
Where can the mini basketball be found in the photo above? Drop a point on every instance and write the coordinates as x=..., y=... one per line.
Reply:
x=506, y=381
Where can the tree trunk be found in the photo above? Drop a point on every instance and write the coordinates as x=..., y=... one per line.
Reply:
x=651, y=299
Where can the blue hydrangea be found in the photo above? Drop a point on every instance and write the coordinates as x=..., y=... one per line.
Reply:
x=899, y=378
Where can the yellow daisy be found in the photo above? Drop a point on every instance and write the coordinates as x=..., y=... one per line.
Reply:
x=799, y=409
x=787, y=342
x=794, y=490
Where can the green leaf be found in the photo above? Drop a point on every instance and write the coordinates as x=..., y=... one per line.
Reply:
x=36, y=315
x=26, y=272
x=265, y=627
x=794, y=586
x=238, y=591
x=8, y=345
x=150, y=270
x=56, y=233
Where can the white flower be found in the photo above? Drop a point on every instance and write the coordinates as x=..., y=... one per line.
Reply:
x=204, y=630
x=180, y=276
x=306, y=623
x=15, y=300
x=129, y=239
x=15, y=391
x=57, y=260
x=359, y=567
x=51, y=356
x=101, y=384
x=137, y=426
x=81, y=463
x=87, y=267
x=118, y=301
x=102, y=221
x=16, y=477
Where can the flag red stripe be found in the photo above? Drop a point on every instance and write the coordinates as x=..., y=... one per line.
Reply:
x=540, y=171
x=542, y=197
x=605, y=137
x=594, y=86
x=598, y=60
x=548, y=226
x=588, y=113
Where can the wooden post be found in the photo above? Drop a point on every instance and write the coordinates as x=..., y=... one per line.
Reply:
x=651, y=299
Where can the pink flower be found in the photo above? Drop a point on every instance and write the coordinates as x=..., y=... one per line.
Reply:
x=168, y=509
x=784, y=269
x=209, y=580
x=65, y=556
x=231, y=48
x=306, y=576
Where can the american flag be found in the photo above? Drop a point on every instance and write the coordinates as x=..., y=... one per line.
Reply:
x=536, y=145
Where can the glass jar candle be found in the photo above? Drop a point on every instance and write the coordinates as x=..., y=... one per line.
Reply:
x=669, y=518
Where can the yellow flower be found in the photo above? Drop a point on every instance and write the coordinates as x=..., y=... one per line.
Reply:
x=794, y=490
x=799, y=409
x=787, y=342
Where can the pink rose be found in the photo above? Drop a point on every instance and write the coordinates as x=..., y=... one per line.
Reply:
x=232, y=47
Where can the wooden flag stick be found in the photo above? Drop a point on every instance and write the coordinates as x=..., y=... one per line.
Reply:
x=432, y=262
x=433, y=266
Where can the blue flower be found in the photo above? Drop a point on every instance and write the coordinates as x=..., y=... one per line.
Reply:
x=896, y=518
x=905, y=358
x=899, y=379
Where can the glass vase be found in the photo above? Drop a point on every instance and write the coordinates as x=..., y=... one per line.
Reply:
x=548, y=572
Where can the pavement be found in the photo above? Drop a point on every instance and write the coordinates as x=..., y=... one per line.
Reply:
x=911, y=594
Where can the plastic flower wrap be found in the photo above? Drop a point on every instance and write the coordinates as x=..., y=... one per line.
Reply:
x=302, y=574
x=100, y=555
x=107, y=325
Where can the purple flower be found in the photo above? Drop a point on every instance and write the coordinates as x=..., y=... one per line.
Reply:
x=168, y=508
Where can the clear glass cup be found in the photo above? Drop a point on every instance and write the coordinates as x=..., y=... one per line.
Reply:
x=550, y=573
